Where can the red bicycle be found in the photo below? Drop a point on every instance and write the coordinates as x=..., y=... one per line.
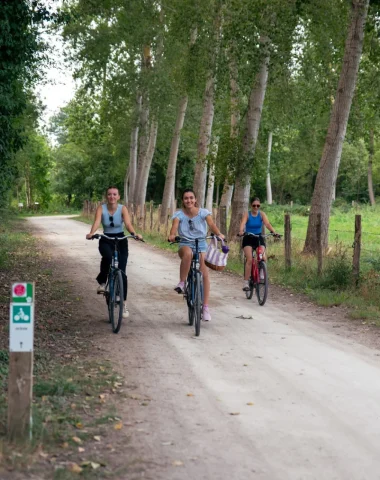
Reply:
x=259, y=274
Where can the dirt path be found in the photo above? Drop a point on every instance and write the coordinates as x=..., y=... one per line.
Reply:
x=304, y=393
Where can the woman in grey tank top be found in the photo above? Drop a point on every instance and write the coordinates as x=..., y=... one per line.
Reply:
x=112, y=216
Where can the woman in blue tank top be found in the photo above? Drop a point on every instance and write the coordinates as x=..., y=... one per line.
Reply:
x=112, y=216
x=252, y=222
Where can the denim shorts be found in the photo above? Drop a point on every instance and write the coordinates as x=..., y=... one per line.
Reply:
x=202, y=245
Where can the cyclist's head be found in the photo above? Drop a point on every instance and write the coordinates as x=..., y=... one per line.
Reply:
x=255, y=202
x=189, y=194
x=112, y=192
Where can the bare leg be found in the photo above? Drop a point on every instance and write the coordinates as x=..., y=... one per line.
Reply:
x=186, y=255
x=206, y=279
x=248, y=263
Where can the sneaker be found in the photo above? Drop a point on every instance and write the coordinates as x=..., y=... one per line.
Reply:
x=180, y=288
x=206, y=314
x=101, y=288
x=125, y=311
x=246, y=286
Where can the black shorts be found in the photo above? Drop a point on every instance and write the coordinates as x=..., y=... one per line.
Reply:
x=254, y=242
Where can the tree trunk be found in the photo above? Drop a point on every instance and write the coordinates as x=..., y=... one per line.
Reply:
x=142, y=147
x=133, y=151
x=253, y=119
x=145, y=168
x=126, y=190
x=211, y=179
x=370, y=159
x=200, y=173
x=329, y=165
x=269, y=186
x=228, y=188
x=172, y=164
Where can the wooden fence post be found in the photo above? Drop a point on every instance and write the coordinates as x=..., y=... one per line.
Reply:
x=288, y=242
x=151, y=214
x=167, y=222
x=223, y=219
x=20, y=387
x=144, y=224
x=158, y=219
x=319, y=244
x=357, y=247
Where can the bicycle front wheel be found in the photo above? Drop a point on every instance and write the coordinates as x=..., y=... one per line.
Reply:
x=248, y=293
x=198, y=299
x=116, y=302
x=189, y=300
x=262, y=285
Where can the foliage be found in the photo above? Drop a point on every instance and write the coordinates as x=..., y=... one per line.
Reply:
x=21, y=50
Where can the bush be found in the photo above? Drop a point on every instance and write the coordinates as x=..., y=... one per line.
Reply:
x=337, y=274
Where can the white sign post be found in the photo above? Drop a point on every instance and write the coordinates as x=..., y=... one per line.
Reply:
x=21, y=340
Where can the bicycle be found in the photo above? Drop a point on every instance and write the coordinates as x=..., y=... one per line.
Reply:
x=258, y=279
x=114, y=291
x=194, y=288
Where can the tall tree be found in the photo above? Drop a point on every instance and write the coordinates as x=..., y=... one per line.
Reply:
x=329, y=165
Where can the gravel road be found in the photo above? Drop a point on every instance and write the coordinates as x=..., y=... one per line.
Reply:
x=273, y=392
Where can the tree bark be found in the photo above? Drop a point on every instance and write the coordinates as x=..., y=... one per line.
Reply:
x=132, y=171
x=172, y=164
x=145, y=168
x=370, y=160
x=269, y=185
x=200, y=174
x=142, y=146
x=211, y=179
x=253, y=119
x=228, y=188
x=329, y=165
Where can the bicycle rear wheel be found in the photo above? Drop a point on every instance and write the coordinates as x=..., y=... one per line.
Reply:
x=198, y=295
x=116, y=302
x=262, y=285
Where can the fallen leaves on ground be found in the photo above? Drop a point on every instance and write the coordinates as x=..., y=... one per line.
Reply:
x=118, y=426
x=234, y=413
x=177, y=463
x=76, y=440
x=75, y=468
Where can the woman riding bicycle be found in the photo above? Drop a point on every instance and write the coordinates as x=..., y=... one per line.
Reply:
x=191, y=223
x=112, y=215
x=252, y=222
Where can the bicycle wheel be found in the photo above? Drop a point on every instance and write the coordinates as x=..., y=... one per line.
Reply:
x=198, y=294
x=116, y=301
x=189, y=300
x=262, y=285
x=248, y=293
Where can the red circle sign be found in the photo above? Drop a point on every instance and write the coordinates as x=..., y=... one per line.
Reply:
x=19, y=290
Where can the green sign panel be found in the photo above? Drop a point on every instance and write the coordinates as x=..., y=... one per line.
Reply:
x=21, y=314
x=22, y=292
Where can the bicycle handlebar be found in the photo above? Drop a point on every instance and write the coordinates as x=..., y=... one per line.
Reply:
x=178, y=239
x=101, y=235
x=260, y=235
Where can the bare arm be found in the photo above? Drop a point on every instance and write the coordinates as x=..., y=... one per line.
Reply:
x=173, y=230
x=266, y=222
x=97, y=222
x=213, y=227
x=243, y=222
x=128, y=223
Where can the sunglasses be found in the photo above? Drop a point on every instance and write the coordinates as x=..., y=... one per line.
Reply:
x=255, y=205
x=111, y=221
x=191, y=225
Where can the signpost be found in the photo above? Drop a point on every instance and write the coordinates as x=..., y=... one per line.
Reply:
x=21, y=336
